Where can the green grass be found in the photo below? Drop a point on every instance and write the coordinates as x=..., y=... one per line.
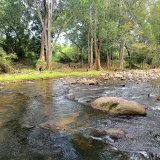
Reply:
x=38, y=75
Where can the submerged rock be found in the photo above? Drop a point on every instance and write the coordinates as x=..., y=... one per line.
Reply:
x=116, y=133
x=27, y=126
x=117, y=105
x=143, y=155
x=87, y=81
x=50, y=126
x=98, y=133
x=71, y=96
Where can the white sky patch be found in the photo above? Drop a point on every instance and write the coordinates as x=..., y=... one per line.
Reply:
x=62, y=39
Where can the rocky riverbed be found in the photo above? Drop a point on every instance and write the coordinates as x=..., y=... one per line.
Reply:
x=133, y=134
x=135, y=76
x=53, y=119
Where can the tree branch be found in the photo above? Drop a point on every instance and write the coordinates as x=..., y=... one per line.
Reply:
x=61, y=29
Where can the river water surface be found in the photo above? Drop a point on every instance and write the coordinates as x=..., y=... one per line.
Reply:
x=23, y=106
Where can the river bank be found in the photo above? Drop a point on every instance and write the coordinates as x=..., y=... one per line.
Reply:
x=112, y=76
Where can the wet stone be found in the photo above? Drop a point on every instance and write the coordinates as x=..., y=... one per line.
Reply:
x=106, y=78
x=51, y=127
x=29, y=82
x=71, y=96
x=116, y=133
x=142, y=155
x=98, y=133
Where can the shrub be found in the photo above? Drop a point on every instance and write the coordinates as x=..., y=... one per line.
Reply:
x=5, y=61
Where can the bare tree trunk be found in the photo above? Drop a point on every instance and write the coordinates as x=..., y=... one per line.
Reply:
x=97, y=64
x=82, y=57
x=108, y=60
x=97, y=45
x=98, y=61
x=111, y=57
x=89, y=49
x=91, y=52
x=42, y=55
x=90, y=40
x=46, y=45
x=129, y=57
x=122, y=44
x=49, y=46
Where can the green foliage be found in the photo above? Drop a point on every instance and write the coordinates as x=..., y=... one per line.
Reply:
x=66, y=53
x=154, y=20
x=6, y=58
x=5, y=61
x=141, y=53
x=15, y=35
x=118, y=20
x=32, y=56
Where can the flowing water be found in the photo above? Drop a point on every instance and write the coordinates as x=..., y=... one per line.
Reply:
x=23, y=106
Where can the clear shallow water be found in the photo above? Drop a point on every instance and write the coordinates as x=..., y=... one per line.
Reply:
x=23, y=106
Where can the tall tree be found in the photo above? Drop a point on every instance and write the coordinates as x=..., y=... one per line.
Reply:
x=45, y=9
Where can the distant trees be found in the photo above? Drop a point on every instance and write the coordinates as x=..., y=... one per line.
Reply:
x=110, y=25
x=99, y=29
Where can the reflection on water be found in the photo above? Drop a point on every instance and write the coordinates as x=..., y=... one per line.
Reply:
x=24, y=106
x=65, y=121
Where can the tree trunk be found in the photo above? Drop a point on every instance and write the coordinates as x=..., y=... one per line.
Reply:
x=90, y=40
x=108, y=60
x=111, y=57
x=46, y=44
x=97, y=45
x=42, y=55
x=91, y=52
x=82, y=57
x=97, y=64
x=122, y=43
x=43, y=23
x=89, y=49
x=49, y=46
x=129, y=56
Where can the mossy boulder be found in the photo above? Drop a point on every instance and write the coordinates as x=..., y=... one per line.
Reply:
x=5, y=68
x=117, y=105
x=41, y=65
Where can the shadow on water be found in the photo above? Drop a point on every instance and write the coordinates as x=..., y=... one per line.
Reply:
x=94, y=149
x=29, y=113
x=13, y=136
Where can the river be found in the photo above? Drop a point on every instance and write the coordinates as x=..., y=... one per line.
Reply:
x=25, y=105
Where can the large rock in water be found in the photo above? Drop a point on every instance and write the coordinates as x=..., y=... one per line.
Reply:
x=116, y=105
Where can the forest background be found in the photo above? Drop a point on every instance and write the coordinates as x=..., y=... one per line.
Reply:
x=96, y=34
